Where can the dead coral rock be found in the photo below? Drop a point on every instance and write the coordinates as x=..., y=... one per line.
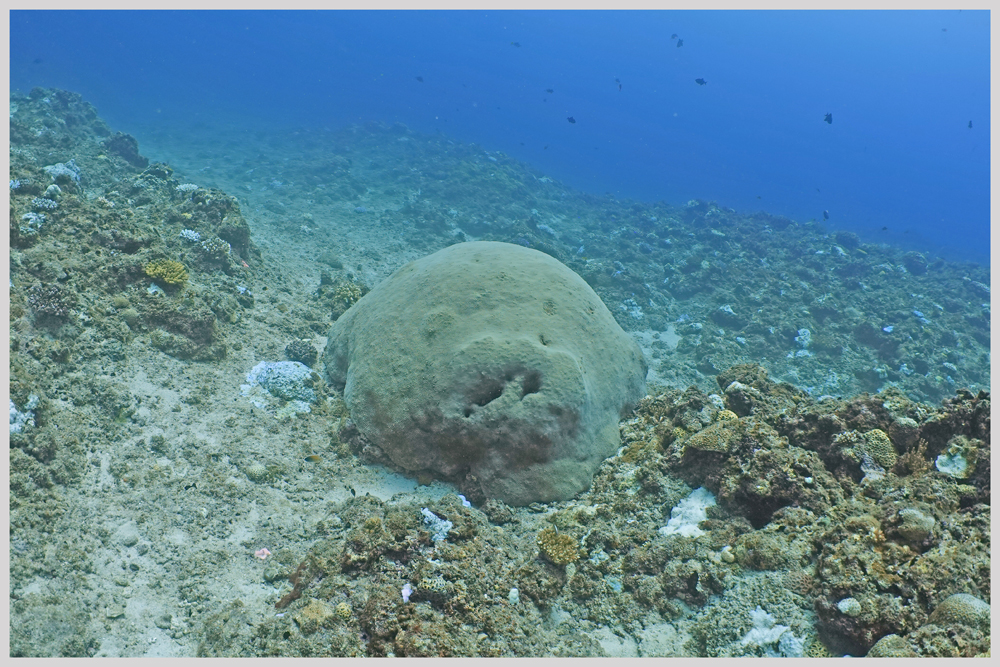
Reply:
x=433, y=635
x=498, y=512
x=751, y=375
x=541, y=581
x=128, y=241
x=955, y=641
x=757, y=485
x=126, y=147
x=692, y=581
x=380, y=617
x=749, y=391
x=196, y=322
x=742, y=398
x=752, y=470
x=221, y=213
x=764, y=550
x=69, y=121
x=315, y=615
x=184, y=348
x=227, y=632
x=856, y=635
x=966, y=415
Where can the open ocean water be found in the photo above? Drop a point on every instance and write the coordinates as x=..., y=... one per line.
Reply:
x=689, y=356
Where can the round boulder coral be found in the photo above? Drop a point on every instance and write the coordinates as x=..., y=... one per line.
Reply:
x=963, y=609
x=490, y=363
x=891, y=646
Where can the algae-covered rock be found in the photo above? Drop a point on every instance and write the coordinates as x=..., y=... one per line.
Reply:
x=490, y=360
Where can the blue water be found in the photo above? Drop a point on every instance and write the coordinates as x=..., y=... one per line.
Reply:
x=902, y=88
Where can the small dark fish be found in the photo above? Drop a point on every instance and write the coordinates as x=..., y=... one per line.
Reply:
x=549, y=91
x=758, y=196
x=828, y=118
x=673, y=36
x=944, y=30
x=37, y=61
x=700, y=82
x=420, y=79
x=970, y=124
x=517, y=44
x=680, y=43
x=885, y=229
x=314, y=458
x=353, y=492
x=545, y=147
x=571, y=119
x=826, y=215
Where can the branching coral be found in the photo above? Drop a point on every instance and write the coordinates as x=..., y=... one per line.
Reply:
x=167, y=271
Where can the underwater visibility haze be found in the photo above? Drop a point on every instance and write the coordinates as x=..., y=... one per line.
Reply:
x=500, y=333
x=902, y=88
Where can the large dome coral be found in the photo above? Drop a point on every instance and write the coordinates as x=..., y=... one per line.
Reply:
x=489, y=364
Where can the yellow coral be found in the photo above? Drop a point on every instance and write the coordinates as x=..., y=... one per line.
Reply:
x=891, y=646
x=818, y=650
x=875, y=444
x=559, y=549
x=725, y=416
x=879, y=447
x=167, y=271
x=716, y=438
x=343, y=610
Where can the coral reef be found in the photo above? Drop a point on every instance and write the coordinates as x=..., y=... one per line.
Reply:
x=880, y=552
x=142, y=486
